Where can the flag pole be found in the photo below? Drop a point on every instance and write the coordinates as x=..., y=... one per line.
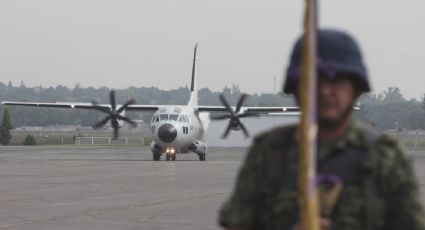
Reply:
x=308, y=128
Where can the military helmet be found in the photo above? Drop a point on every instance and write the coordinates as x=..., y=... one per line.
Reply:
x=338, y=52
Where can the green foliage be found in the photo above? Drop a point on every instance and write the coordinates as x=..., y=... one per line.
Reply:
x=392, y=95
x=389, y=110
x=29, y=140
x=5, y=128
x=383, y=109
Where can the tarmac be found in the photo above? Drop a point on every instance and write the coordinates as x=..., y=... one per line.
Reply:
x=97, y=187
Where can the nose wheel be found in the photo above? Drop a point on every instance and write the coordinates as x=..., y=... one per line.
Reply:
x=202, y=156
x=169, y=157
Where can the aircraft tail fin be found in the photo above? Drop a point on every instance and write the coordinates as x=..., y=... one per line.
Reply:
x=193, y=101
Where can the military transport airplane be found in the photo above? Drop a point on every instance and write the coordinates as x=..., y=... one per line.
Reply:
x=176, y=129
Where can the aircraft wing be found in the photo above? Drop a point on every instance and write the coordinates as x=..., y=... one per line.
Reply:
x=255, y=110
x=82, y=105
x=137, y=107
x=258, y=110
x=53, y=105
x=269, y=110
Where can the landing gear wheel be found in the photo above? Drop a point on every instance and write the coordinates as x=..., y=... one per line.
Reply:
x=167, y=157
x=202, y=157
x=156, y=156
x=173, y=157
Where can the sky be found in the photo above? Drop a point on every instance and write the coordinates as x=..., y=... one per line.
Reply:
x=146, y=43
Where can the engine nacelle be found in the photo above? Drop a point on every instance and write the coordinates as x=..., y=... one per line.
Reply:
x=155, y=148
x=198, y=147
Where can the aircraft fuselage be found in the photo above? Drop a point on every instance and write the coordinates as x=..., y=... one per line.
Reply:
x=175, y=130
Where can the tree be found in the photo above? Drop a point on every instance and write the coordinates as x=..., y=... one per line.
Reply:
x=423, y=101
x=29, y=140
x=393, y=95
x=6, y=126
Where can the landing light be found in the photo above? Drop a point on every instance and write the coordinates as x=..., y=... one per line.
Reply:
x=170, y=150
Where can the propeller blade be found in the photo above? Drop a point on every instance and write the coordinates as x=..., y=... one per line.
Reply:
x=116, y=133
x=220, y=117
x=234, y=115
x=114, y=114
x=226, y=133
x=114, y=122
x=123, y=107
x=102, y=122
x=225, y=103
x=115, y=126
x=245, y=131
x=112, y=99
x=240, y=102
x=126, y=119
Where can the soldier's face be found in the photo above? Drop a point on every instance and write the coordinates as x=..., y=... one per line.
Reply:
x=336, y=97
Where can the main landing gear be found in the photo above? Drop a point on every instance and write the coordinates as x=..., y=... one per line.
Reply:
x=156, y=156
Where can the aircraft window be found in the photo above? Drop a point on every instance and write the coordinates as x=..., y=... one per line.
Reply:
x=173, y=117
x=185, y=130
x=163, y=117
x=156, y=118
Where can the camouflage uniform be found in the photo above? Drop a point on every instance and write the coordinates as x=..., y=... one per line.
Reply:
x=382, y=194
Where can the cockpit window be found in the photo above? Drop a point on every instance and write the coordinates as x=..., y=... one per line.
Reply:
x=163, y=117
x=173, y=117
x=156, y=118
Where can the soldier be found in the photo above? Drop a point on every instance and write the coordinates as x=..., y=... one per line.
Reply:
x=377, y=187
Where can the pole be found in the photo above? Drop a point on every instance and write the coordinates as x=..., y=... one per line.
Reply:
x=308, y=200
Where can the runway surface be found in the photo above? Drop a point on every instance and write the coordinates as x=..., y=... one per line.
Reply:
x=64, y=188
x=92, y=187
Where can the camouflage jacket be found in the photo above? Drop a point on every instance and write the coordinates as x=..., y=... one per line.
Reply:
x=265, y=193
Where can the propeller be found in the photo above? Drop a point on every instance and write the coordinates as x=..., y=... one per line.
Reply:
x=234, y=116
x=113, y=114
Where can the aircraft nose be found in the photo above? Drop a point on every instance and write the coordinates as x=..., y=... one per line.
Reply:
x=167, y=133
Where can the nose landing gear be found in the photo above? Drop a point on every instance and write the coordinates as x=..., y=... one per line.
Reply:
x=170, y=154
x=170, y=157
